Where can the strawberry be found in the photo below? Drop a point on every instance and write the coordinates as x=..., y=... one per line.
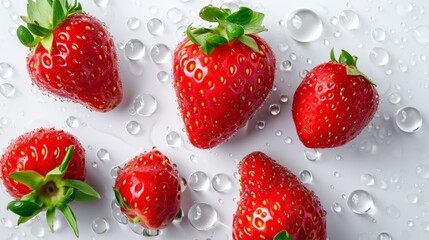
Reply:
x=222, y=75
x=72, y=54
x=333, y=104
x=147, y=189
x=275, y=204
x=45, y=169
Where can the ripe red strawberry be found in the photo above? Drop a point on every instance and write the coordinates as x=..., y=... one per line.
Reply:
x=45, y=169
x=333, y=104
x=275, y=204
x=222, y=75
x=148, y=190
x=72, y=54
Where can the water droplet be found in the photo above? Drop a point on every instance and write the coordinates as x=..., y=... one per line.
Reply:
x=337, y=174
x=404, y=8
x=274, y=109
x=367, y=179
x=174, y=15
x=38, y=231
x=117, y=213
x=336, y=207
x=395, y=98
x=181, y=32
x=293, y=56
x=333, y=20
x=199, y=181
x=305, y=177
x=349, y=19
x=183, y=184
x=425, y=226
x=7, y=223
x=403, y=67
x=73, y=122
x=409, y=119
x=133, y=23
x=410, y=223
x=284, y=98
x=338, y=157
x=393, y=211
x=145, y=105
x=133, y=127
x=312, y=154
x=221, y=182
x=304, y=25
x=94, y=164
x=423, y=171
x=388, y=71
x=360, y=201
x=136, y=228
x=379, y=56
x=413, y=198
x=288, y=140
x=114, y=172
x=103, y=154
x=337, y=34
x=6, y=70
x=202, y=216
x=283, y=47
x=101, y=3
x=260, y=125
x=383, y=236
x=231, y=6
x=286, y=66
x=100, y=226
x=421, y=34
x=365, y=147
x=134, y=49
x=160, y=53
x=155, y=26
x=7, y=89
x=378, y=34
x=279, y=133
x=193, y=158
x=162, y=76
x=173, y=139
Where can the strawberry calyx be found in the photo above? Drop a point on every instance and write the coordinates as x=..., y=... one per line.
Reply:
x=349, y=61
x=43, y=18
x=51, y=192
x=283, y=235
x=231, y=25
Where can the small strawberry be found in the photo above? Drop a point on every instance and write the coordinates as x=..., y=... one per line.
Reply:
x=222, y=75
x=148, y=190
x=72, y=54
x=45, y=169
x=333, y=104
x=275, y=204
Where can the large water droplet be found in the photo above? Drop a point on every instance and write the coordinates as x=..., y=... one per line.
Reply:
x=202, y=216
x=134, y=49
x=160, y=53
x=173, y=139
x=286, y=66
x=7, y=90
x=409, y=119
x=305, y=176
x=274, y=109
x=421, y=34
x=312, y=154
x=378, y=34
x=221, y=182
x=199, y=181
x=133, y=127
x=174, y=15
x=349, y=19
x=114, y=172
x=100, y=225
x=367, y=179
x=103, y=154
x=145, y=105
x=304, y=25
x=133, y=23
x=383, y=236
x=6, y=70
x=379, y=56
x=73, y=122
x=360, y=201
x=423, y=171
x=117, y=213
x=155, y=26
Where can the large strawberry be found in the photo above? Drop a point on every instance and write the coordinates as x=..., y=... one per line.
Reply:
x=148, y=190
x=72, y=54
x=334, y=102
x=222, y=75
x=45, y=169
x=275, y=204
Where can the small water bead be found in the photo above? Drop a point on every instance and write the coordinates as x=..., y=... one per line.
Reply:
x=117, y=213
x=136, y=228
x=160, y=53
x=94, y=164
x=360, y=201
x=260, y=125
x=133, y=127
x=145, y=105
x=133, y=23
x=336, y=207
x=378, y=34
x=231, y=6
x=425, y=226
x=284, y=98
x=279, y=133
x=283, y=47
x=404, y=8
x=303, y=73
x=365, y=147
x=367, y=179
x=73, y=122
x=6, y=70
x=101, y=3
x=349, y=19
x=413, y=198
x=337, y=174
x=333, y=20
x=423, y=171
x=338, y=157
x=312, y=154
x=155, y=26
x=7, y=90
x=274, y=109
x=7, y=222
x=199, y=181
x=202, y=216
x=410, y=223
x=38, y=231
x=100, y=225
x=304, y=25
x=103, y=154
x=421, y=34
x=162, y=76
x=388, y=71
x=383, y=236
x=393, y=211
x=174, y=15
x=293, y=56
x=173, y=139
x=114, y=172
x=286, y=66
x=305, y=177
x=221, y=183
x=134, y=49
x=409, y=119
x=395, y=98
x=379, y=56
x=150, y=232
x=6, y=3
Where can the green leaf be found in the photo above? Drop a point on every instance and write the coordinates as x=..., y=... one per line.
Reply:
x=234, y=31
x=250, y=42
x=283, y=235
x=213, y=14
x=120, y=200
x=24, y=208
x=179, y=214
x=346, y=58
x=242, y=17
x=65, y=163
x=257, y=19
x=38, y=30
x=70, y=217
x=332, y=55
x=30, y=178
x=50, y=217
x=25, y=219
x=201, y=31
x=212, y=42
x=40, y=12
x=84, y=192
x=26, y=19
x=254, y=29
x=59, y=13
x=68, y=196
x=75, y=8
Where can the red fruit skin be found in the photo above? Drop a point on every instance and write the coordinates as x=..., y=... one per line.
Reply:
x=149, y=185
x=217, y=94
x=40, y=150
x=331, y=108
x=273, y=200
x=82, y=66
